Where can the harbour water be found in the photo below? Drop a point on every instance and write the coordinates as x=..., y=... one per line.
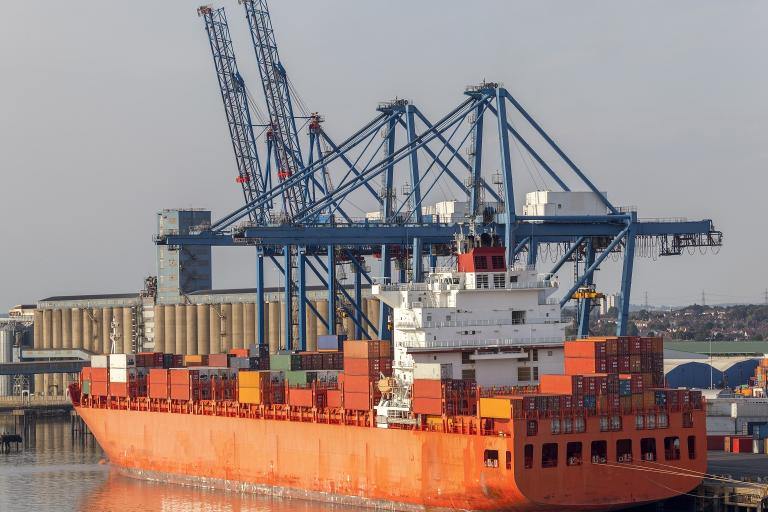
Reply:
x=55, y=470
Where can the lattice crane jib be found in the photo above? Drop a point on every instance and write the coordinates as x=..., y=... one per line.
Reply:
x=235, y=99
x=277, y=94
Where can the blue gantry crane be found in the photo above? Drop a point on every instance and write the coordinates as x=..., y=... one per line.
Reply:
x=403, y=162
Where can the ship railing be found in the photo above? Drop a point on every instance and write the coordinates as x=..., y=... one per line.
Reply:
x=528, y=340
x=476, y=323
x=445, y=287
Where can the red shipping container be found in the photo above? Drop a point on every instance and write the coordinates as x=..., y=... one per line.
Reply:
x=357, y=401
x=99, y=375
x=716, y=443
x=357, y=383
x=218, y=360
x=99, y=388
x=624, y=364
x=180, y=392
x=299, y=397
x=423, y=388
x=741, y=444
x=432, y=406
x=158, y=383
x=119, y=389
x=334, y=398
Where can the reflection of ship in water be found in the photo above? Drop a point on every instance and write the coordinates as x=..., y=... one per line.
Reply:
x=43, y=434
x=125, y=493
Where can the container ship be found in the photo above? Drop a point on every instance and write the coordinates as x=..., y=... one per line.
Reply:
x=478, y=403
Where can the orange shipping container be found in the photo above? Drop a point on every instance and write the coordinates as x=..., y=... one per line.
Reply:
x=100, y=375
x=433, y=406
x=239, y=352
x=423, y=388
x=366, y=349
x=579, y=365
x=298, y=397
x=560, y=384
x=180, y=392
x=357, y=401
x=99, y=388
x=359, y=366
x=357, y=384
x=158, y=383
x=218, y=360
x=334, y=398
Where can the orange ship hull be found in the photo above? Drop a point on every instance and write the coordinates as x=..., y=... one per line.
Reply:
x=398, y=469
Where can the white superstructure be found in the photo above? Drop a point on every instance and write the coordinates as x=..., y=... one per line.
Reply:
x=479, y=320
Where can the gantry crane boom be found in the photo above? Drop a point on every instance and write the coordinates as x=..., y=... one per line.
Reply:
x=235, y=98
x=277, y=94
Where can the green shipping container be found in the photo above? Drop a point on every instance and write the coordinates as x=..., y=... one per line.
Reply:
x=284, y=361
x=300, y=377
x=86, y=387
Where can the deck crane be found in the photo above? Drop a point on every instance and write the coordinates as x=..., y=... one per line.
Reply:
x=282, y=133
x=235, y=99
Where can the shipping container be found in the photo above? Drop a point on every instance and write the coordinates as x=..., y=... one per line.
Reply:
x=158, y=383
x=498, y=408
x=300, y=397
x=366, y=349
x=300, y=377
x=369, y=367
x=427, y=388
x=220, y=360
x=99, y=361
x=562, y=384
x=285, y=361
x=334, y=398
x=433, y=406
x=122, y=374
x=330, y=342
x=358, y=384
x=357, y=401
x=122, y=360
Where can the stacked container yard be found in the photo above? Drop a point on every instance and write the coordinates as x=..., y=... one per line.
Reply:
x=365, y=362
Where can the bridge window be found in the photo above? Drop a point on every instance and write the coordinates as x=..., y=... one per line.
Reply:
x=599, y=454
x=549, y=455
x=691, y=447
x=648, y=449
x=528, y=456
x=481, y=263
x=498, y=280
x=481, y=280
x=497, y=262
x=535, y=373
x=491, y=458
x=523, y=373
x=672, y=448
x=624, y=451
x=573, y=454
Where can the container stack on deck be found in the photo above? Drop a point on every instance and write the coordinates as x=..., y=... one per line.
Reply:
x=364, y=363
x=603, y=376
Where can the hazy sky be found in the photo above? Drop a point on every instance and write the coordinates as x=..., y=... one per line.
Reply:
x=110, y=112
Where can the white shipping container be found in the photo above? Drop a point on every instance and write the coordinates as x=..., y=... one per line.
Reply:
x=427, y=371
x=99, y=362
x=122, y=374
x=122, y=361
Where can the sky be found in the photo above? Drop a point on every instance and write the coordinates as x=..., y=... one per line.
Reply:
x=109, y=112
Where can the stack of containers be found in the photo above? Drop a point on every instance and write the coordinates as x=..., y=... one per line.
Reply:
x=196, y=360
x=364, y=362
x=123, y=375
x=261, y=387
x=99, y=375
x=150, y=360
x=434, y=393
x=761, y=374
x=632, y=367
